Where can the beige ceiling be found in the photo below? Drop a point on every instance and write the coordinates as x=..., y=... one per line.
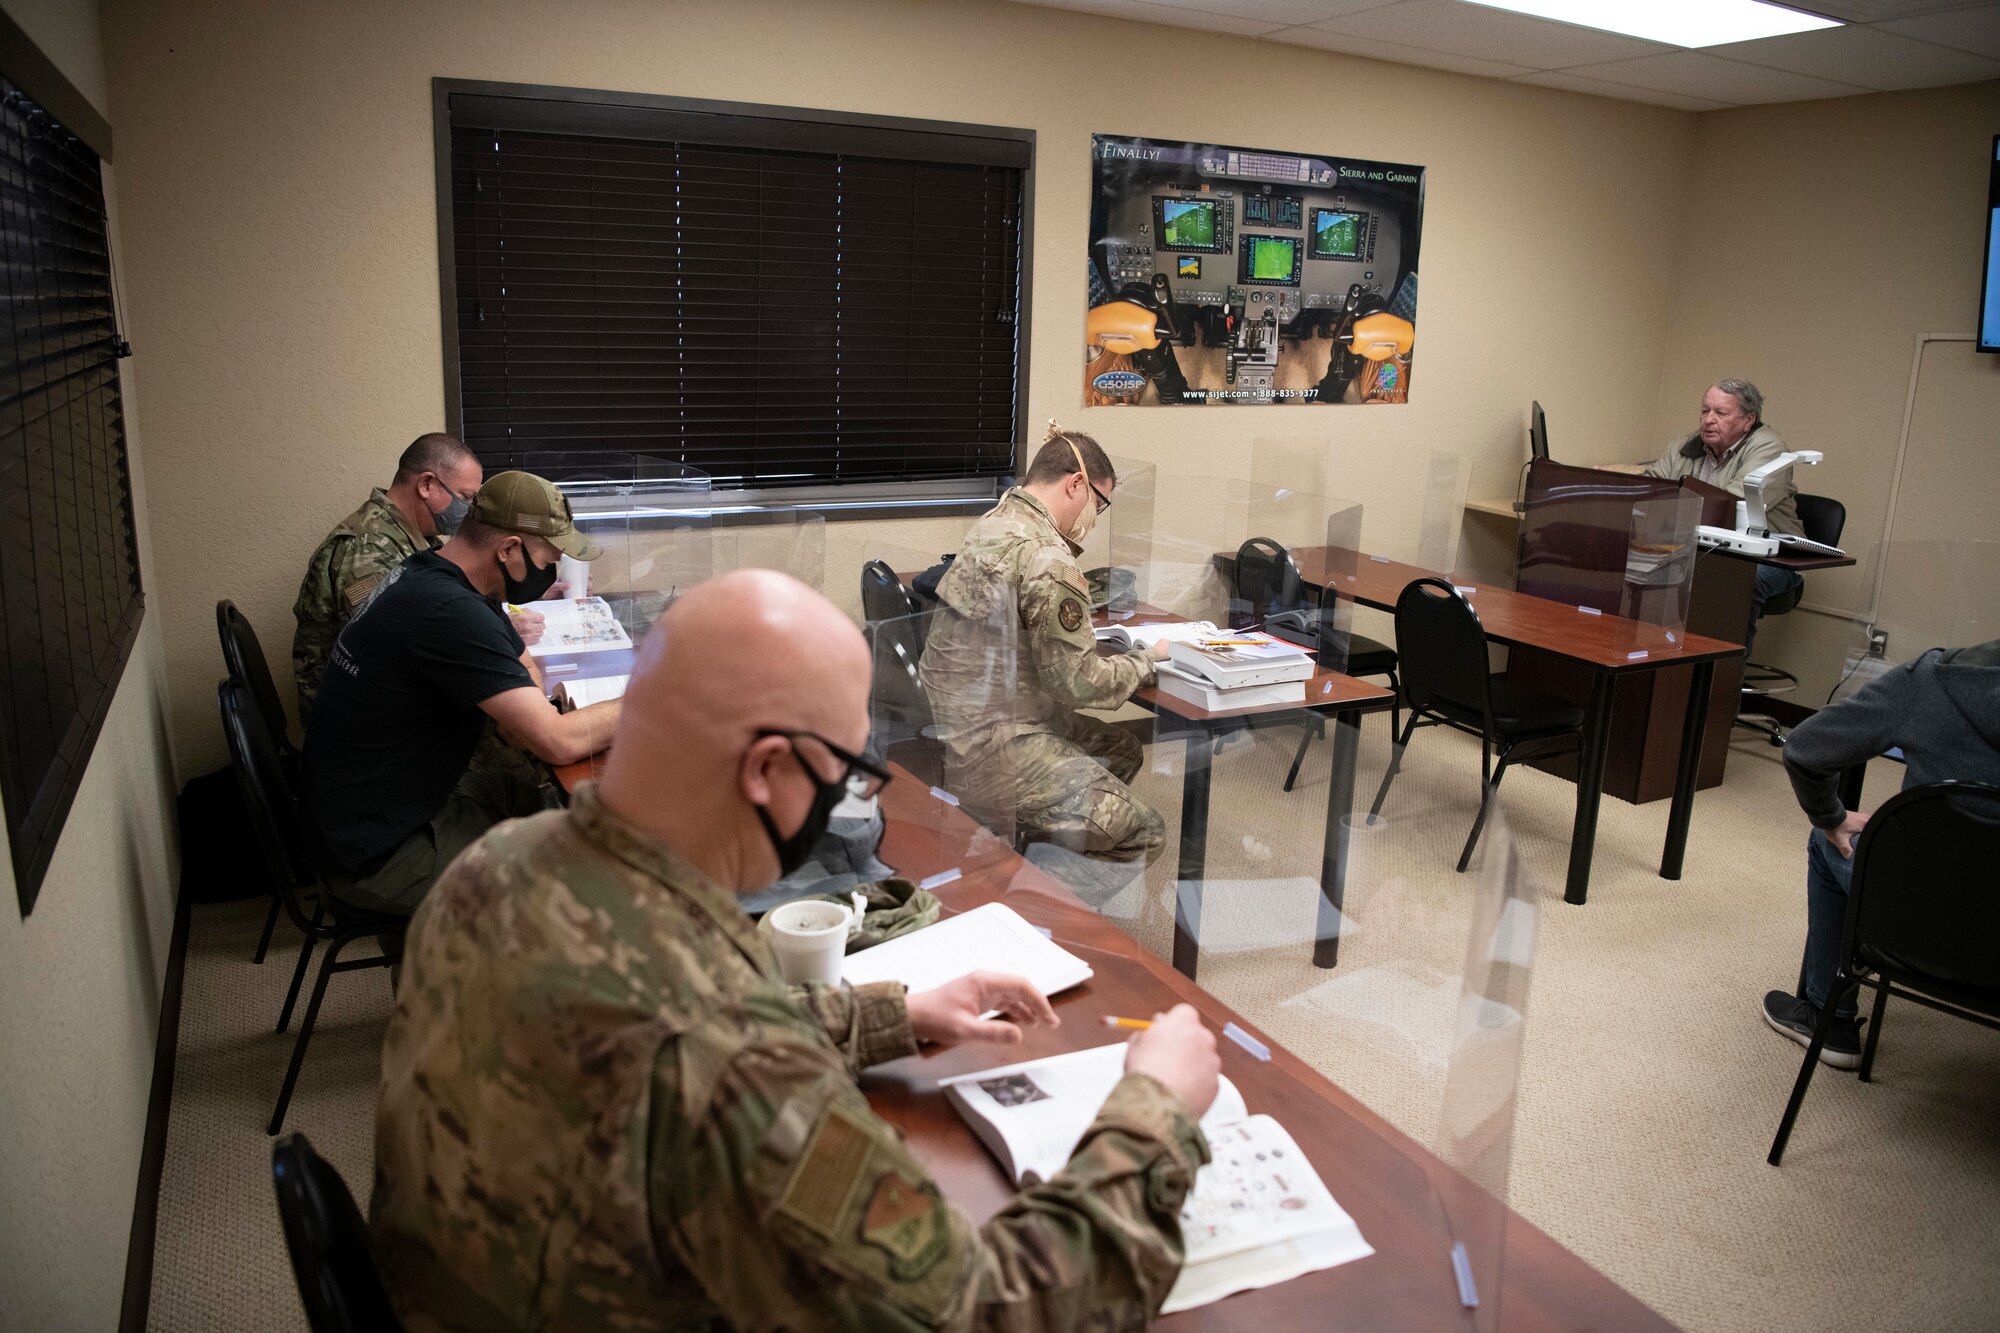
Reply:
x=1887, y=44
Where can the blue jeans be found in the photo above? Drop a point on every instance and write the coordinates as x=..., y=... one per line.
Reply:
x=1828, y=874
x=1772, y=583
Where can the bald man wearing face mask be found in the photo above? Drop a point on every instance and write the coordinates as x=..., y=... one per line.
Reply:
x=1020, y=749
x=601, y=1106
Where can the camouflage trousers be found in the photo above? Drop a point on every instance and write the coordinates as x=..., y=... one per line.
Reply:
x=1069, y=788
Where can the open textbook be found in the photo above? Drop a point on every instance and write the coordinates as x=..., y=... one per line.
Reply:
x=574, y=694
x=1145, y=636
x=1258, y=1215
x=992, y=938
x=577, y=625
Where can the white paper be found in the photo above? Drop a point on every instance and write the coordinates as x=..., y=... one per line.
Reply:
x=595, y=690
x=577, y=625
x=992, y=938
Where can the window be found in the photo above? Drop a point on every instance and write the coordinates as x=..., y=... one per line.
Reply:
x=70, y=597
x=780, y=299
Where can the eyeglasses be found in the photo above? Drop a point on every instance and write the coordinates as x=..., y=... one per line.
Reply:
x=863, y=778
x=1103, y=500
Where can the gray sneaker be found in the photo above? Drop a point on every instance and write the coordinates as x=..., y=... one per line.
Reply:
x=1792, y=1017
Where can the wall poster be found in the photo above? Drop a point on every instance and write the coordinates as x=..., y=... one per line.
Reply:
x=1235, y=276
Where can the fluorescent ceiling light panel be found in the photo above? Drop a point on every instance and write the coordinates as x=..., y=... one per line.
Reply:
x=1680, y=22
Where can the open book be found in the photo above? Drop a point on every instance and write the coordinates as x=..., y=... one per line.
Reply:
x=993, y=938
x=1258, y=1215
x=1127, y=637
x=577, y=625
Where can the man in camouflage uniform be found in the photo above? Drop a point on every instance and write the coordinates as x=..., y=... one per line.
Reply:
x=434, y=482
x=602, y=1108
x=1016, y=746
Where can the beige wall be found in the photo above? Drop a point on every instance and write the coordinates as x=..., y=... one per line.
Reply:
x=80, y=978
x=277, y=162
x=1822, y=240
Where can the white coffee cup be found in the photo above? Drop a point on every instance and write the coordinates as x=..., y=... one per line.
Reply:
x=575, y=573
x=810, y=938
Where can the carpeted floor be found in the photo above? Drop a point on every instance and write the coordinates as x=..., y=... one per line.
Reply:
x=1648, y=1091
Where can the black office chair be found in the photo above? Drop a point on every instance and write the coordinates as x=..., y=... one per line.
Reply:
x=1446, y=683
x=1269, y=593
x=338, y=1282
x=274, y=819
x=895, y=630
x=1923, y=920
x=1824, y=519
x=243, y=658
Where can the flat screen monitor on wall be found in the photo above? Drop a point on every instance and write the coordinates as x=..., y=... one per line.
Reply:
x=1989, y=287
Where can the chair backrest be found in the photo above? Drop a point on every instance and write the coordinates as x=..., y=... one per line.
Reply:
x=1267, y=582
x=883, y=596
x=267, y=793
x=1823, y=517
x=243, y=656
x=1442, y=648
x=895, y=634
x=338, y=1283
x=1923, y=895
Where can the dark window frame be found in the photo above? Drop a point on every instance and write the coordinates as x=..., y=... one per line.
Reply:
x=63, y=387
x=559, y=110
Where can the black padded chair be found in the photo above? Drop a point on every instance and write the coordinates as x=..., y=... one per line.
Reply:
x=1446, y=683
x=243, y=657
x=1923, y=921
x=902, y=718
x=274, y=820
x=338, y=1282
x=1269, y=593
x=1824, y=519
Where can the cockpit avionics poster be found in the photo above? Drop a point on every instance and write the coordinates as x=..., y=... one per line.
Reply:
x=1233, y=276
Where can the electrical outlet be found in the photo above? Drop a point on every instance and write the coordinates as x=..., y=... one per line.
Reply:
x=1878, y=642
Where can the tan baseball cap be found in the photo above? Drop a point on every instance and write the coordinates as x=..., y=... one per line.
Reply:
x=524, y=503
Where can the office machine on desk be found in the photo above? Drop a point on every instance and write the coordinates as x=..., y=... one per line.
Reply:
x=1754, y=536
x=1269, y=257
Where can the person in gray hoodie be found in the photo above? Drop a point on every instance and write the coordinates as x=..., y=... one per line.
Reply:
x=1943, y=711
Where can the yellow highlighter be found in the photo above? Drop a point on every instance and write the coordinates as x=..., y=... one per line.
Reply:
x=1136, y=1024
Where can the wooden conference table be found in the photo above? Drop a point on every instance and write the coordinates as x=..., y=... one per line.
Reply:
x=1608, y=646
x=1391, y=1185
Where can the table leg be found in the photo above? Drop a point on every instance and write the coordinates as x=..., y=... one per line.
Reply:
x=1590, y=785
x=1689, y=771
x=1333, y=857
x=1194, y=851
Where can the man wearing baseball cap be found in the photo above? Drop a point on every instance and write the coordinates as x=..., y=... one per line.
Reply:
x=407, y=690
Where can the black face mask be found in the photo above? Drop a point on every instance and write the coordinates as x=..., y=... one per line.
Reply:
x=530, y=587
x=793, y=851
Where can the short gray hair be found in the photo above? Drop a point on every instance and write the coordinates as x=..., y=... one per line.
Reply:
x=1746, y=395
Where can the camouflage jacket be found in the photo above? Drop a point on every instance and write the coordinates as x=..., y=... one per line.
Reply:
x=602, y=1108
x=344, y=569
x=1013, y=645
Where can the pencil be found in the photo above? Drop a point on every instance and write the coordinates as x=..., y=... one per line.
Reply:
x=1138, y=1024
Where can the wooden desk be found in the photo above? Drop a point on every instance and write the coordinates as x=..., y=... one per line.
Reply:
x=1327, y=692
x=1608, y=646
x=1388, y=1183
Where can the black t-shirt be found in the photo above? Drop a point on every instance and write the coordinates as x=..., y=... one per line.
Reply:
x=398, y=714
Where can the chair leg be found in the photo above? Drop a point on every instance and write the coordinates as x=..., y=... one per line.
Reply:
x=326, y=970
x=1875, y=1026
x=1487, y=793
x=1841, y=986
x=299, y=972
x=1399, y=743
x=270, y=924
x=1396, y=703
x=1299, y=758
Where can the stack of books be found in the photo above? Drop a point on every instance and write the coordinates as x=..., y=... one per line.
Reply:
x=1231, y=669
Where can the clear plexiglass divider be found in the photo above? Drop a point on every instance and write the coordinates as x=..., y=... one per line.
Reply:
x=1660, y=554
x=791, y=541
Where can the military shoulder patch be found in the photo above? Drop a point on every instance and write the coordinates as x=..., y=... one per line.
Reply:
x=905, y=1219
x=1070, y=614
x=357, y=591
x=826, y=1175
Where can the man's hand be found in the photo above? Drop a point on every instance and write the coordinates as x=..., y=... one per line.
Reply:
x=1179, y=1052
x=952, y=1011
x=1849, y=829
x=527, y=624
x=1162, y=650
x=557, y=591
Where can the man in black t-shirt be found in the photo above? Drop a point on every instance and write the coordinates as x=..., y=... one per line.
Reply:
x=407, y=690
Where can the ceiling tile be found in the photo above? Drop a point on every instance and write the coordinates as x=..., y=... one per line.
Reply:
x=1965, y=29
x=1698, y=74
x=1142, y=12
x=1874, y=11
x=1399, y=54
x=1279, y=11
x=1490, y=34
x=1576, y=83
x=1867, y=57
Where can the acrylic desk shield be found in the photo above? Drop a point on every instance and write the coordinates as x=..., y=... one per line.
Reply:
x=791, y=541
x=1660, y=551
x=944, y=704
